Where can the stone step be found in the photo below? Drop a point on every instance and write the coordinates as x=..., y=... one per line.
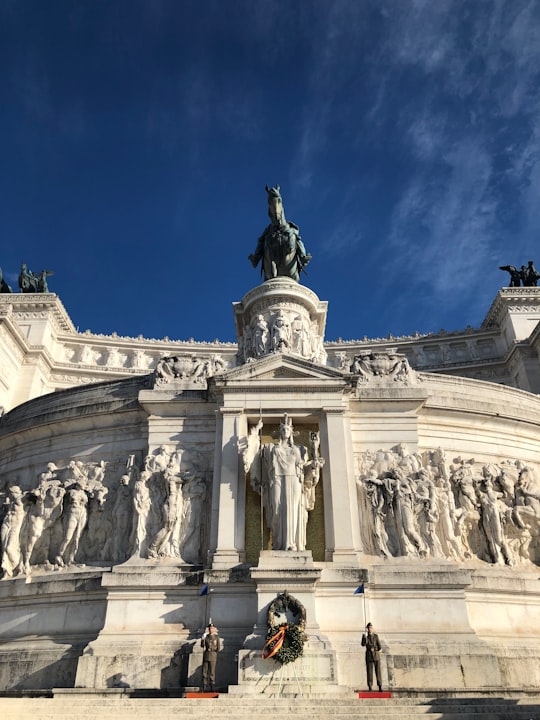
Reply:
x=98, y=714
x=156, y=698
x=105, y=707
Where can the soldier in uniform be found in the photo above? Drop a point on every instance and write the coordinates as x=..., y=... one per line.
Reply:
x=370, y=641
x=211, y=644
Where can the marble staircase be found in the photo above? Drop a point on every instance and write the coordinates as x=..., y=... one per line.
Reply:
x=153, y=705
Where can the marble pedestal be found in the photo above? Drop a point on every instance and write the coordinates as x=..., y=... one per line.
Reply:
x=314, y=672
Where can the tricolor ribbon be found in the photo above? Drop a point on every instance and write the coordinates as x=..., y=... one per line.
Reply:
x=268, y=650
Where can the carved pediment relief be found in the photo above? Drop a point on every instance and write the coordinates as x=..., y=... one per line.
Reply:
x=284, y=372
x=281, y=367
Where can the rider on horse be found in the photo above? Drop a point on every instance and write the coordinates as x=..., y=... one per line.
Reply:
x=280, y=247
x=30, y=283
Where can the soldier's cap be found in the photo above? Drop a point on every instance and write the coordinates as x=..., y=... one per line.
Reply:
x=369, y=625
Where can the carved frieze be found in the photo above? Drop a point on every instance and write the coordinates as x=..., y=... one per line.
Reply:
x=104, y=512
x=282, y=330
x=423, y=505
x=280, y=316
x=73, y=379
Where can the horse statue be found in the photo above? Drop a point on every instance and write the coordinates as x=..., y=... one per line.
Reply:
x=30, y=283
x=280, y=247
x=528, y=275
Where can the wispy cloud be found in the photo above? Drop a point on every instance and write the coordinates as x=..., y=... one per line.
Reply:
x=343, y=239
x=471, y=130
x=335, y=35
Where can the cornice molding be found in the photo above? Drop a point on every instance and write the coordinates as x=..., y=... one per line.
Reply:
x=47, y=303
x=517, y=300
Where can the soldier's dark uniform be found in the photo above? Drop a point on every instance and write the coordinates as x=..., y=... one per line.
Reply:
x=373, y=660
x=211, y=644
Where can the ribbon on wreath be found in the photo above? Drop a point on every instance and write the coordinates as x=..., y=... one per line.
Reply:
x=270, y=649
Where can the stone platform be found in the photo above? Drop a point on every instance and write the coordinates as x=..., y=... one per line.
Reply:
x=121, y=705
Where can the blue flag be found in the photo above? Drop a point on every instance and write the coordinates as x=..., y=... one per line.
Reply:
x=203, y=590
x=359, y=590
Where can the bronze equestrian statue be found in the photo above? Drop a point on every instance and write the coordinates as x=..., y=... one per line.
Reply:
x=280, y=247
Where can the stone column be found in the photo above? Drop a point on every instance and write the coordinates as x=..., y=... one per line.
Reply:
x=340, y=502
x=230, y=511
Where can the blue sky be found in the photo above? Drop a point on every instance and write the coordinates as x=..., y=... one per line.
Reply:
x=137, y=137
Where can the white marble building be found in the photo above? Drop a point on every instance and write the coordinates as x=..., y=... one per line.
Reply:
x=41, y=351
x=138, y=474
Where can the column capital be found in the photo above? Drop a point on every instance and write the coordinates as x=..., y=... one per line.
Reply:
x=230, y=410
x=333, y=410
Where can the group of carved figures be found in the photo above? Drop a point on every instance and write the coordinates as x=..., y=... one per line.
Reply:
x=286, y=475
x=421, y=505
x=374, y=366
x=28, y=281
x=382, y=365
x=411, y=504
x=527, y=275
x=99, y=513
x=188, y=367
x=282, y=332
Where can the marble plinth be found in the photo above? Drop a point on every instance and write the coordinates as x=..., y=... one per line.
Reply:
x=279, y=571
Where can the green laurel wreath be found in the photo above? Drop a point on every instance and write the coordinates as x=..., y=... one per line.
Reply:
x=293, y=643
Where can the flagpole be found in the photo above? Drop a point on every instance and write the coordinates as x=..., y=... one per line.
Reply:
x=205, y=590
x=364, y=605
x=261, y=476
x=361, y=590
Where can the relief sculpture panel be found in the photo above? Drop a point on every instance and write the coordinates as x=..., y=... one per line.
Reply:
x=107, y=512
x=426, y=506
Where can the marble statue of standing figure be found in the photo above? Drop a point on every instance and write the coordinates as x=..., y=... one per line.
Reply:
x=260, y=336
x=280, y=248
x=404, y=500
x=121, y=512
x=493, y=514
x=378, y=499
x=280, y=479
x=75, y=517
x=312, y=475
x=10, y=533
x=171, y=483
x=194, y=493
x=281, y=333
x=141, y=508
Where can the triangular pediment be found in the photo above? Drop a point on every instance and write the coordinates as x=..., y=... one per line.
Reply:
x=280, y=367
